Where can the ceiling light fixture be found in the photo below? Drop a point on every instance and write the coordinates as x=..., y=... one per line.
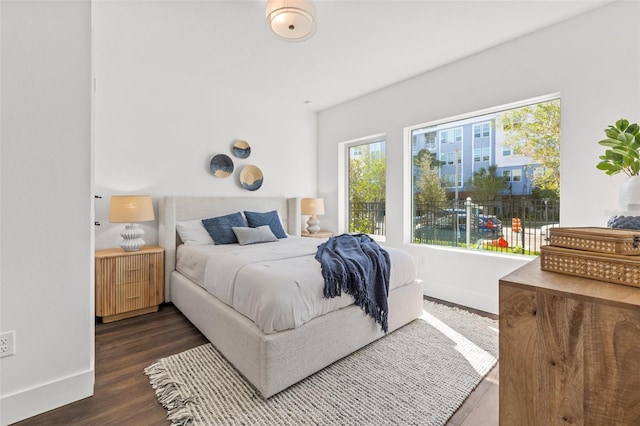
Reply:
x=291, y=20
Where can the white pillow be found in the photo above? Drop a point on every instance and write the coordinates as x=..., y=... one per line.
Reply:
x=261, y=234
x=193, y=233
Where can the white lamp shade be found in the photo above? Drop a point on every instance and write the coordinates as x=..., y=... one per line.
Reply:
x=292, y=20
x=131, y=209
x=312, y=206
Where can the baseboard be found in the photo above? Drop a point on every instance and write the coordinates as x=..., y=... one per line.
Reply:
x=481, y=301
x=37, y=400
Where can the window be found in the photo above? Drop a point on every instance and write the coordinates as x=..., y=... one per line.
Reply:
x=448, y=157
x=481, y=154
x=516, y=175
x=512, y=123
x=481, y=130
x=450, y=180
x=513, y=163
x=367, y=187
x=424, y=139
x=451, y=135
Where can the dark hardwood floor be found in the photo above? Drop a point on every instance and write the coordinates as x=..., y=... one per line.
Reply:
x=123, y=395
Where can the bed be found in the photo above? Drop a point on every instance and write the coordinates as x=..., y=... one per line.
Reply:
x=271, y=360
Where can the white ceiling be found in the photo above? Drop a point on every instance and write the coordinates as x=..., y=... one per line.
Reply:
x=360, y=45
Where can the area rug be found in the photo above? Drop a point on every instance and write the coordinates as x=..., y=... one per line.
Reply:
x=418, y=375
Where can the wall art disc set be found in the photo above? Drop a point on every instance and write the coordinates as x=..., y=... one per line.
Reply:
x=222, y=166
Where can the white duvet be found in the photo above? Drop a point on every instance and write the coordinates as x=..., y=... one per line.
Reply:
x=278, y=285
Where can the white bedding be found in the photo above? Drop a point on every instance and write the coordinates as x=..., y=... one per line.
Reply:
x=278, y=285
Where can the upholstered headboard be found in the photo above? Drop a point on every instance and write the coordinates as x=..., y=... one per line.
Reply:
x=174, y=209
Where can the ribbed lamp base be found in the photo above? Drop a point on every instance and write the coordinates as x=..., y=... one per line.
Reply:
x=313, y=224
x=131, y=238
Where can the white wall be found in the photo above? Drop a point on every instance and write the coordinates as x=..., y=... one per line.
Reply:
x=46, y=206
x=573, y=58
x=158, y=124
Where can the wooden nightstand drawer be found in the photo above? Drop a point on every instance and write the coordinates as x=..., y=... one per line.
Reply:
x=132, y=296
x=132, y=269
x=129, y=283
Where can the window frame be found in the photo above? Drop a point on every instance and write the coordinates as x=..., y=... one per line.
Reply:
x=344, y=213
x=408, y=198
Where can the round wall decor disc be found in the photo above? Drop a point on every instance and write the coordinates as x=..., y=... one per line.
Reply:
x=241, y=149
x=251, y=178
x=221, y=166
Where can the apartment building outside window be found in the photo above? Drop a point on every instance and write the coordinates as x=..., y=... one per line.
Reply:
x=508, y=166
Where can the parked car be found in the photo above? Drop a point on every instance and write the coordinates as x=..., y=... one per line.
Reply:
x=483, y=227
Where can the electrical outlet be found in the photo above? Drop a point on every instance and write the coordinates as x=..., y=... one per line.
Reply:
x=7, y=343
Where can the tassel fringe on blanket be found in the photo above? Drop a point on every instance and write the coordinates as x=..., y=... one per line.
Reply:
x=357, y=265
x=169, y=395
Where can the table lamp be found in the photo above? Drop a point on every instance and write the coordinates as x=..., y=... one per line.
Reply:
x=131, y=209
x=312, y=207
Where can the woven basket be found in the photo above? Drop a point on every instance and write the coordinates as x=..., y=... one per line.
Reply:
x=618, y=269
x=601, y=240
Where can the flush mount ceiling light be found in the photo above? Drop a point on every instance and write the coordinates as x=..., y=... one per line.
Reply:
x=291, y=20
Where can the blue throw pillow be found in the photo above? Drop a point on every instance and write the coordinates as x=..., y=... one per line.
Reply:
x=220, y=227
x=272, y=219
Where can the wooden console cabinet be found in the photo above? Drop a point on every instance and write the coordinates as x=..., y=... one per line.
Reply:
x=569, y=350
x=128, y=283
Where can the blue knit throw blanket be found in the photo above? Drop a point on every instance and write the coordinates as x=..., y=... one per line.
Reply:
x=357, y=265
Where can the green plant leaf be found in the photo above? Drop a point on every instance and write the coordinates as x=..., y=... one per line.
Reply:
x=625, y=137
x=622, y=124
x=611, y=132
x=633, y=129
x=609, y=142
x=604, y=166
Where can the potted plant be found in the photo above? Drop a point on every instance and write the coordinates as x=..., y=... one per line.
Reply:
x=623, y=142
x=623, y=156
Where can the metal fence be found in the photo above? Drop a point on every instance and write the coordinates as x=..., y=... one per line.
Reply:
x=512, y=225
x=367, y=218
x=517, y=225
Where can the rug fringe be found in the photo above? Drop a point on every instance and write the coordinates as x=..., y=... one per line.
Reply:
x=169, y=395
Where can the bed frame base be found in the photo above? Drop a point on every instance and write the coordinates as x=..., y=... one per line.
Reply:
x=273, y=362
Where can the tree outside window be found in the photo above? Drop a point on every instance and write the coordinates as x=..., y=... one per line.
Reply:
x=367, y=188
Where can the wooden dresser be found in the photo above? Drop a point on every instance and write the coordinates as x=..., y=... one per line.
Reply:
x=569, y=350
x=128, y=283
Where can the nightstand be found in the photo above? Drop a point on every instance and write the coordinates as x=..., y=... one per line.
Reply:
x=319, y=234
x=128, y=283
